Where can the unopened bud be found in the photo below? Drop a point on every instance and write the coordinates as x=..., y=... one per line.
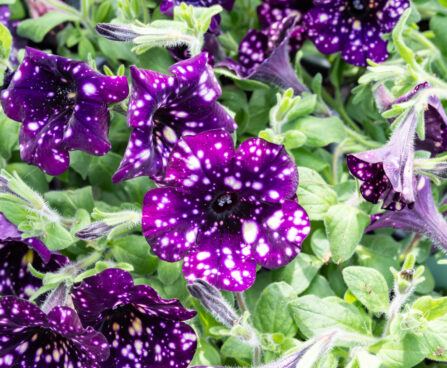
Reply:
x=116, y=32
x=213, y=301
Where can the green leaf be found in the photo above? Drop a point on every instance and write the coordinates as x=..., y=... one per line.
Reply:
x=344, y=227
x=314, y=193
x=9, y=136
x=314, y=316
x=67, y=202
x=368, y=286
x=321, y=131
x=135, y=250
x=432, y=308
x=271, y=312
x=56, y=237
x=36, y=29
x=298, y=273
x=31, y=175
x=169, y=272
x=403, y=353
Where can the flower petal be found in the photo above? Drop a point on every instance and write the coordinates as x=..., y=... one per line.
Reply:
x=170, y=222
x=279, y=239
x=223, y=259
x=267, y=169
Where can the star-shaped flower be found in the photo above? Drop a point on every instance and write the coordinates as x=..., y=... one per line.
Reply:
x=264, y=56
x=163, y=108
x=387, y=172
x=31, y=338
x=424, y=218
x=62, y=104
x=354, y=27
x=226, y=211
x=15, y=254
x=143, y=329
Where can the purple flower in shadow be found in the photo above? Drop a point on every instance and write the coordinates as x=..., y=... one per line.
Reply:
x=423, y=218
x=31, y=338
x=225, y=210
x=163, y=108
x=15, y=254
x=143, y=329
x=264, y=56
x=387, y=172
x=434, y=116
x=354, y=27
x=62, y=104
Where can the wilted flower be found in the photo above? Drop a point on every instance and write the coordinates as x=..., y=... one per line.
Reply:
x=354, y=27
x=387, y=172
x=15, y=254
x=31, y=338
x=163, y=108
x=62, y=104
x=263, y=56
x=423, y=218
x=143, y=330
x=226, y=210
x=435, y=117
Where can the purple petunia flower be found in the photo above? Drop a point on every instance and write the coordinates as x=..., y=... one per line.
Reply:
x=354, y=27
x=423, y=218
x=226, y=210
x=15, y=254
x=143, y=330
x=387, y=172
x=163, y=108
x=62, y=104
x=435, y=117
x=263, y=56
x=31, y=338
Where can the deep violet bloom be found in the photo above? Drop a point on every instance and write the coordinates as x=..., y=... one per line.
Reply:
x=354, y=27
x=163, y=108
x=387, y=172
x=434, y=116
x=15, y=255
x=62, y=104
x=31, y=338
x=423, y=218
x=143, y=329
x=271, y=11
x=226, y=210
x=264, y=56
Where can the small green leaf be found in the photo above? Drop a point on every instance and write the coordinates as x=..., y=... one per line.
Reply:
x=56, y=237
x=321, y=131
x=314, y=193
x=299, y=273
x=36, y=29
x=271, y=313
x=344, y=227
x=314, y=316
x=368, y=286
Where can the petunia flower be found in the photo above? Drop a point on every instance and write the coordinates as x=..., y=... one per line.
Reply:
x=435, y=117
x=62, y=104
x=225, y=210
x=387, y=172
x=423, y=218
x=354, y=27
x=143, y=329
x=163, y=108
x=15, y=255
x=264, y=56
x=31, y=338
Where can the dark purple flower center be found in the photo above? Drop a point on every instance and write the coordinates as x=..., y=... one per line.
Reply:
x=225, y=203
x=358, y=8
